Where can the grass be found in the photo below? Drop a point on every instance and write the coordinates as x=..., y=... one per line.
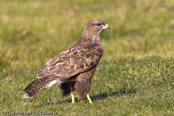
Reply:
x=134, y=77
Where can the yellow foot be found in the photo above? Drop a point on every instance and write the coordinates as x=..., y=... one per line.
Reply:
x=89, y=99
x=72, y=96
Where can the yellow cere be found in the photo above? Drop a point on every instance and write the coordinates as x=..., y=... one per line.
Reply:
x=106, y=26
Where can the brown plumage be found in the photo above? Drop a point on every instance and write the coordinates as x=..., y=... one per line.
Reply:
x=74, y=67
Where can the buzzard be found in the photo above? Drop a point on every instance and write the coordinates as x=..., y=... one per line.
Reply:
x=74, y=67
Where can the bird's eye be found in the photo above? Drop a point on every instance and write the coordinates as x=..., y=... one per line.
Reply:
x=98, y=24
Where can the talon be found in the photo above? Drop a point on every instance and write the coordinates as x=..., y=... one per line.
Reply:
x=72, y=96
x=89, y=99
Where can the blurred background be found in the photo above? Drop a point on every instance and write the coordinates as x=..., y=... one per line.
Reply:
x=32, y=32
x=134, y=76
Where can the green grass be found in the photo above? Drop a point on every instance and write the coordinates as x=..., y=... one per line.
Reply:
x=134, y=77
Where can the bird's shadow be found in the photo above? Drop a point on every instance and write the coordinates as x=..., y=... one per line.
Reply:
x=100, y=96
x=119, y=93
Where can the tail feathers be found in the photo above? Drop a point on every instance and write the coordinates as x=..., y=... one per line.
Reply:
x=36, y=86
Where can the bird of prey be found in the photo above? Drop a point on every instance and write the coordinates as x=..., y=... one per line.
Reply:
x=74, y=67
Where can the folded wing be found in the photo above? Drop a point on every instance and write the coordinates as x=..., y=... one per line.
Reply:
x=71, y=62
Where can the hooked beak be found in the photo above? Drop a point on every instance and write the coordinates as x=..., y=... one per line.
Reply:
x=106, y=26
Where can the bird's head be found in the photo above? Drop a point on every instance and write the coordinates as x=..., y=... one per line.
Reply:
x=92, y=31
x=97, y=26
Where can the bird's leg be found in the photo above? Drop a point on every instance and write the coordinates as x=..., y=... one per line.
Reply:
x=89, y=99
x=72, y=97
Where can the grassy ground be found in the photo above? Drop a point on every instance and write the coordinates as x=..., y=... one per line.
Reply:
x=134, y=77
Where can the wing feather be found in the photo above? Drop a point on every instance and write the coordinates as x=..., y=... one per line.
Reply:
x=72, y=61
